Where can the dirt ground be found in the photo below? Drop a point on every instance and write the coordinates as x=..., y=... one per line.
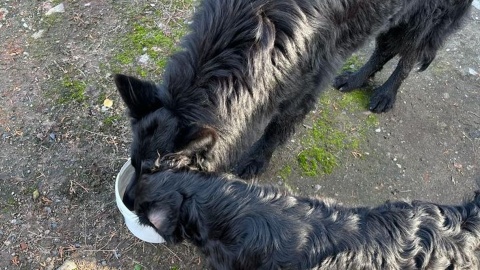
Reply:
x=62, y=145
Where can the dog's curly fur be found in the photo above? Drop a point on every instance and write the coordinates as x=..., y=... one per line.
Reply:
x=250, y=70
x=243, y=226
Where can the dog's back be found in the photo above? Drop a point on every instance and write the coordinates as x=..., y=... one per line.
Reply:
x=243, y=226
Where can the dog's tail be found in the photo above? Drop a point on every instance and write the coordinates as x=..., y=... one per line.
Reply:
x=448, y=235
x=470, y=221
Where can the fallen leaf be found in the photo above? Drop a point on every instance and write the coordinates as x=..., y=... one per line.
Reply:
x=35, y=194
x=15, y=261
x=108, y=103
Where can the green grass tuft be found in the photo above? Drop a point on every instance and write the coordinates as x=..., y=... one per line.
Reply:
x=71, y=91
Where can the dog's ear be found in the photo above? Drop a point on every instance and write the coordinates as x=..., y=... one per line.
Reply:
x=196, y=139
x=164, y=213
x=141, y=97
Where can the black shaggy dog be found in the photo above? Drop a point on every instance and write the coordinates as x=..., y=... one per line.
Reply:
x=251, y=70
x=242, y=226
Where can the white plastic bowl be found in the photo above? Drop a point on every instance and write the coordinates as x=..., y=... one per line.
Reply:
x=144, y=233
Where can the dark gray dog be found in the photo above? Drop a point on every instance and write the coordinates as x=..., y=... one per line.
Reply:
x=242, y=226
x=415, y=37
x=252, y=69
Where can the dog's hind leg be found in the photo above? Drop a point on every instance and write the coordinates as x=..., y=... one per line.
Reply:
x=384, y=96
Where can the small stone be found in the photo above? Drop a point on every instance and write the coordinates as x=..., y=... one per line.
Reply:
x=38, y=34
x=56, y=9
x=53, y=225
x=473, y=72
x=446, y=95
x=68, y=265
x=47, y=210
x=144, y=59
x=378, y=130
x=476, y=4
x=474, y=134
x=3, y=13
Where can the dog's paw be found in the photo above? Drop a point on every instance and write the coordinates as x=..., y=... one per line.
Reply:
x=347, y=82
x=382, y=101
x=250, y=168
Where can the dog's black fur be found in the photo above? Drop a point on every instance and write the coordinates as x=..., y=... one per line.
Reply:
x=415, y=38
x=242, y=226
x=252, y=69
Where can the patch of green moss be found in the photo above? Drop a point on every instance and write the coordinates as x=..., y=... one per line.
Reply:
x=340, y=128
x=71, y=91
x=355, y=100
x=315, y=159
x=149, y=37
x=9, y=204
x=285, y=172
x=353, y=63
x=110, y=120
x=144, y=39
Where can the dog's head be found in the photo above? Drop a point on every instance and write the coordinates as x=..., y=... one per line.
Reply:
x=159, y=130
x=158, y=205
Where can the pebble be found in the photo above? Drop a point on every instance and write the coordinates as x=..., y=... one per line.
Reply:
x=3, y=14
x=53, y=225
x=38, y=34
x=476, y=4
x=68, y=265
x=144, y=59
x=56, y=9
x=474, y=134
x=472, y=71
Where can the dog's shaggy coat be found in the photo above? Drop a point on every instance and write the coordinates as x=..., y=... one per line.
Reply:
x=242, y=226
x=250, y=70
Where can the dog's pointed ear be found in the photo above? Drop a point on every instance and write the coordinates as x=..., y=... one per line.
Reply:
x=196, y=139
x=164, y=213
x=141, y=97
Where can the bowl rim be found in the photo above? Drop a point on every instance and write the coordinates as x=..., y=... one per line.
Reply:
x=144, y=233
